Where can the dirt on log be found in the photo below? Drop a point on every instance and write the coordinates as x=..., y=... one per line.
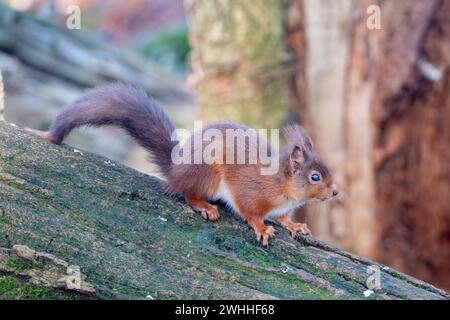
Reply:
x=132, y=241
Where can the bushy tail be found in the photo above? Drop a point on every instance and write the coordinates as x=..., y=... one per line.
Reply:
x=124, y=106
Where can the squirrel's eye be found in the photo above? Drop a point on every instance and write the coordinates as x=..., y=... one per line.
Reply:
x=315, y=177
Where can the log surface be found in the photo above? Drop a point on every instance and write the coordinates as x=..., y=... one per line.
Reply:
x=132, y=241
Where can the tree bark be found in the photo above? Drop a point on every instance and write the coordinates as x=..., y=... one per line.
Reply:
x=377, y=104
x=322, y=48
x=241, y=69
x=131, y=240
x=412, y=137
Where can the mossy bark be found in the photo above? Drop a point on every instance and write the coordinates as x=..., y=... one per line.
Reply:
x=241, y=69
x=131, y=240
x=2, y=98
x=27, y=274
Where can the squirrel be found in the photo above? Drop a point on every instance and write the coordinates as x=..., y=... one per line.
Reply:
x=302, y=176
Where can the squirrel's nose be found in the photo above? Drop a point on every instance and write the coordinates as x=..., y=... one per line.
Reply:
x=335, y=193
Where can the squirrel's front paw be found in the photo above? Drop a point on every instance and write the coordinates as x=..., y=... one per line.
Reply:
x=302, y=227
x=263, y=235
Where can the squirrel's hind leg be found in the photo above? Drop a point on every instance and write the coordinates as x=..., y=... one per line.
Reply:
x=207, y=210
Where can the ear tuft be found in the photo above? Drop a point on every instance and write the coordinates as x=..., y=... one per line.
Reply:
x=295, y=135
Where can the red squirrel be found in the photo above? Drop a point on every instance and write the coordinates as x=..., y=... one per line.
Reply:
x=301, y=177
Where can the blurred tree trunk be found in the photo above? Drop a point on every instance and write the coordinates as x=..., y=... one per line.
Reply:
x=378, y=104
x=320, y=40
x=411, y=114
x=241, y=69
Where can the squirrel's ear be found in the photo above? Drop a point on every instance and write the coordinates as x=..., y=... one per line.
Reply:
x=297, y=158
x=295, y=135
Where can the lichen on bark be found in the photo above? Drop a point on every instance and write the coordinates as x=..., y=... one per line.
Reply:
x=247, y=67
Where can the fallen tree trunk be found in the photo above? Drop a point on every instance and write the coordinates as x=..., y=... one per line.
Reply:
x=79, y=59
x=133, y=241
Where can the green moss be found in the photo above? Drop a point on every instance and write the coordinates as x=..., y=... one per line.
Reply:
x=131, y=292
x=258, y=257
x=266, y=280
x=7, y=288
x=13, y=288
x=3, y=218
x=18, y=264
x=166, y=295
x=396, y=275
x=32, y=292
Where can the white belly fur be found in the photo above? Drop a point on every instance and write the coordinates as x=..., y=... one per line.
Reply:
x=284, y=209
x=223, y=193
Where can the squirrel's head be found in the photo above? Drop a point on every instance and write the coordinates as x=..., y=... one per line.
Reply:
x=308, y=176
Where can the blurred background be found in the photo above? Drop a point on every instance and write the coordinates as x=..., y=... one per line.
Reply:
x=375, y=95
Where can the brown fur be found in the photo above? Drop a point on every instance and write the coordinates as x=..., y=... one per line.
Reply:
x=254, y=195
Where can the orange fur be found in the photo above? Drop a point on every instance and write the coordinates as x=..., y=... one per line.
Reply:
x=254, y=196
